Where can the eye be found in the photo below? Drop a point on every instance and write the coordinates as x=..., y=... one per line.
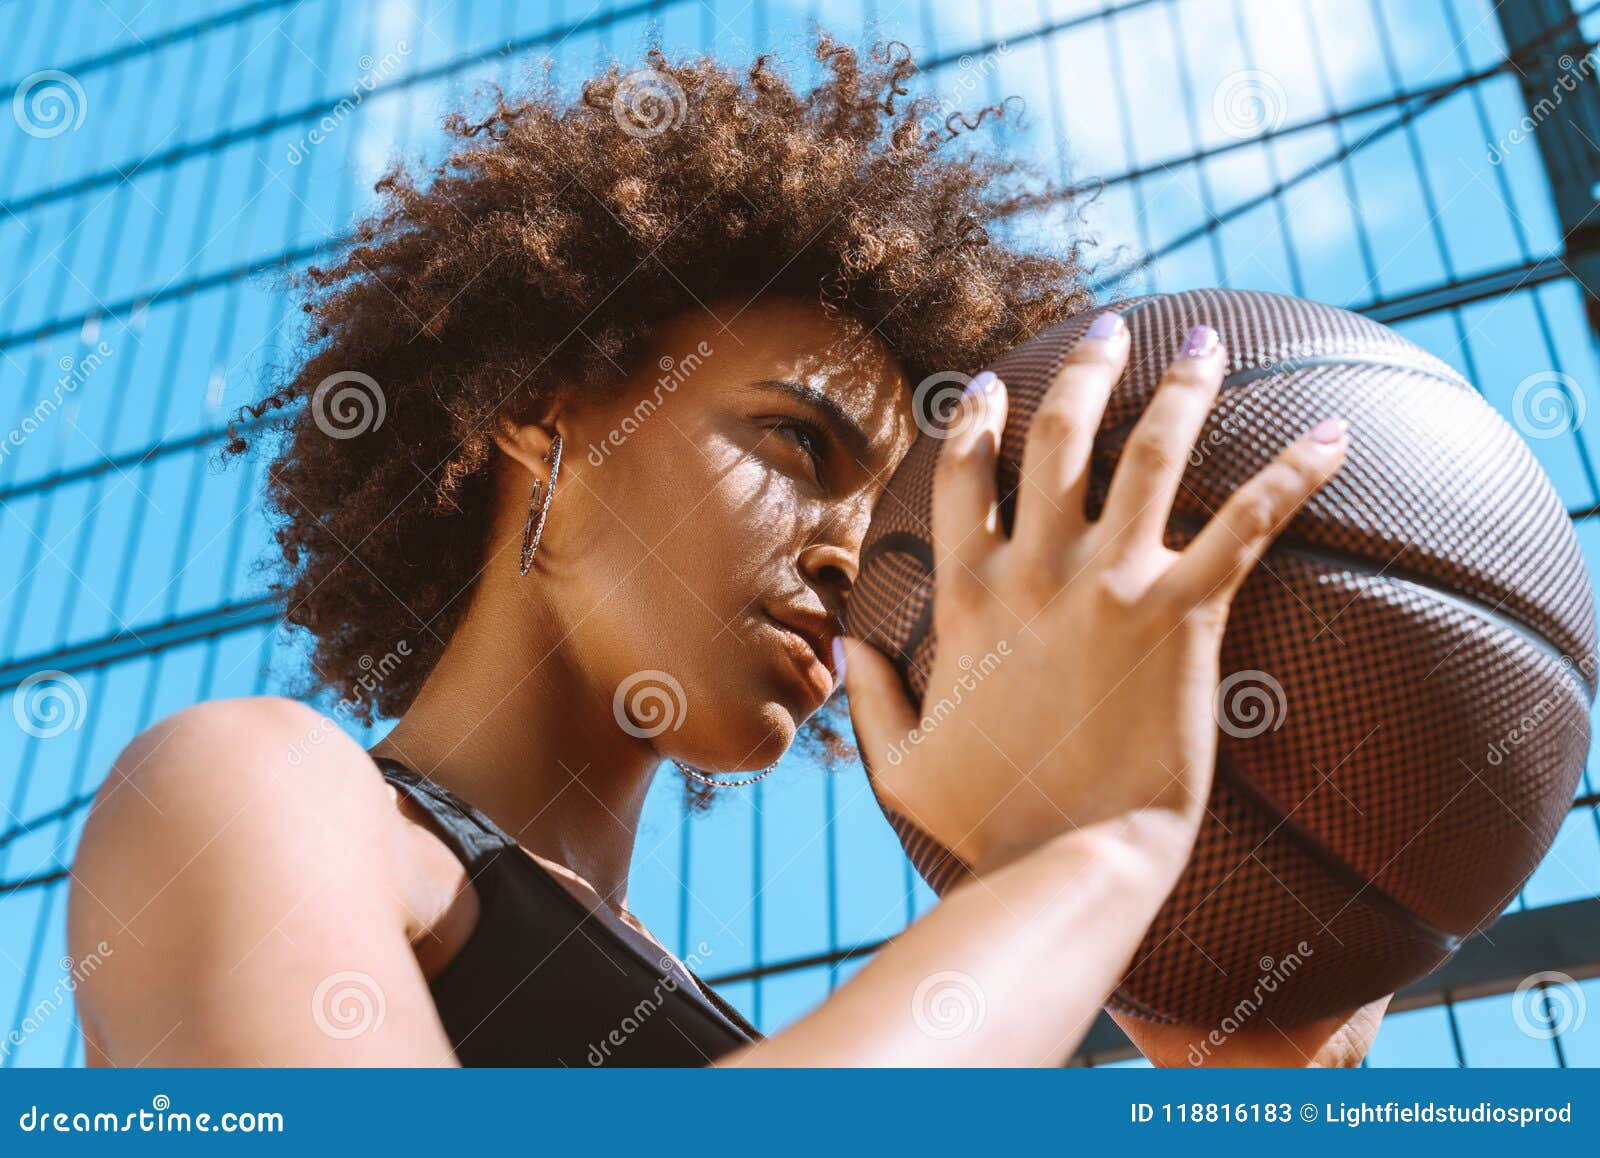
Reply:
x=807, y=437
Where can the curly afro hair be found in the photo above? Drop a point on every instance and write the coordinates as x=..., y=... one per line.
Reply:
x=541, y=254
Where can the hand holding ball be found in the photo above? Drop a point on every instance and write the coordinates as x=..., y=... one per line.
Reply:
x=1402, y=706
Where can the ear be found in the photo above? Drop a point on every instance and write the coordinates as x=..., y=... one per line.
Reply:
x=526, y=443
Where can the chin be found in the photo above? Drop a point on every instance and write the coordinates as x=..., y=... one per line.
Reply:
x=751, y=738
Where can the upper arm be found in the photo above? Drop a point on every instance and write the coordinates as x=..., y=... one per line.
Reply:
x=236, y=882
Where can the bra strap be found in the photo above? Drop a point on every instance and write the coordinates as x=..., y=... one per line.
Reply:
x=466, y=831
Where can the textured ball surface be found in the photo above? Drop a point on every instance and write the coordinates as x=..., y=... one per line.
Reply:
x=1403, y=714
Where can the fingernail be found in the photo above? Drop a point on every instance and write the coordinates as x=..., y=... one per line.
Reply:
x=1329, y=430
x=1200, y=341
x=838, y=661
x=980, y=383
x=1108, y=325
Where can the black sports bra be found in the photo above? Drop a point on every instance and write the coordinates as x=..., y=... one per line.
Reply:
x=541, y=980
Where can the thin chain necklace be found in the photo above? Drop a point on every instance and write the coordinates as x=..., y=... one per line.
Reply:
x=710, y=782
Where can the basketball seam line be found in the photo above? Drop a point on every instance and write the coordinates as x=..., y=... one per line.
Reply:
x=1366, y=891
x=1474, y=606
x=1315, y=361
x=1251, y=374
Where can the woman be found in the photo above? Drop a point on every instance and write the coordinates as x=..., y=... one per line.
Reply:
x=635, y=369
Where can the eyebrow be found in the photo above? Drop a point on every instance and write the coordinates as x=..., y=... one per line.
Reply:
x=843, y=427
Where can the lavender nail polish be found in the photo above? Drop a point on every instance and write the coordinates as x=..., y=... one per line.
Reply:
x=980, y=383
x=838, y=660
x=1201, y=340
x=1328, y=430
x=1107, y=325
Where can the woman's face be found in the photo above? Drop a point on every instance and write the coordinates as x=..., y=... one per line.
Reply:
x=708, y=522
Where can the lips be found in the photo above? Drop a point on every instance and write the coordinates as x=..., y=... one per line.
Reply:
x=819, y=639
x=812, y=633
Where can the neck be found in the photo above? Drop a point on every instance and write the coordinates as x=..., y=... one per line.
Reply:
x=506, y=722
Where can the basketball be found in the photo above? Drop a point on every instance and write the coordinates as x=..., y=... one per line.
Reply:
x=1405, y=679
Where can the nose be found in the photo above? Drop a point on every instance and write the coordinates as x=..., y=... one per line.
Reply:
x=830, y=562
x=830, y=570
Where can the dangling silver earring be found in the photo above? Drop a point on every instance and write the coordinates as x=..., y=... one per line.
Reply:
x=533, y=530
x=712, y=782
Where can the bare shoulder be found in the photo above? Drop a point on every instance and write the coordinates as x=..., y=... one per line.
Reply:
x=242, y=866
x=225, y=835
x=231, y=773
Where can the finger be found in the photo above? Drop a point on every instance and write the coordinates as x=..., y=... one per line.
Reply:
x=1157, y=452
x=1055, y=457
x=965, y=519
x=880, y=710
x=1224, y=552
